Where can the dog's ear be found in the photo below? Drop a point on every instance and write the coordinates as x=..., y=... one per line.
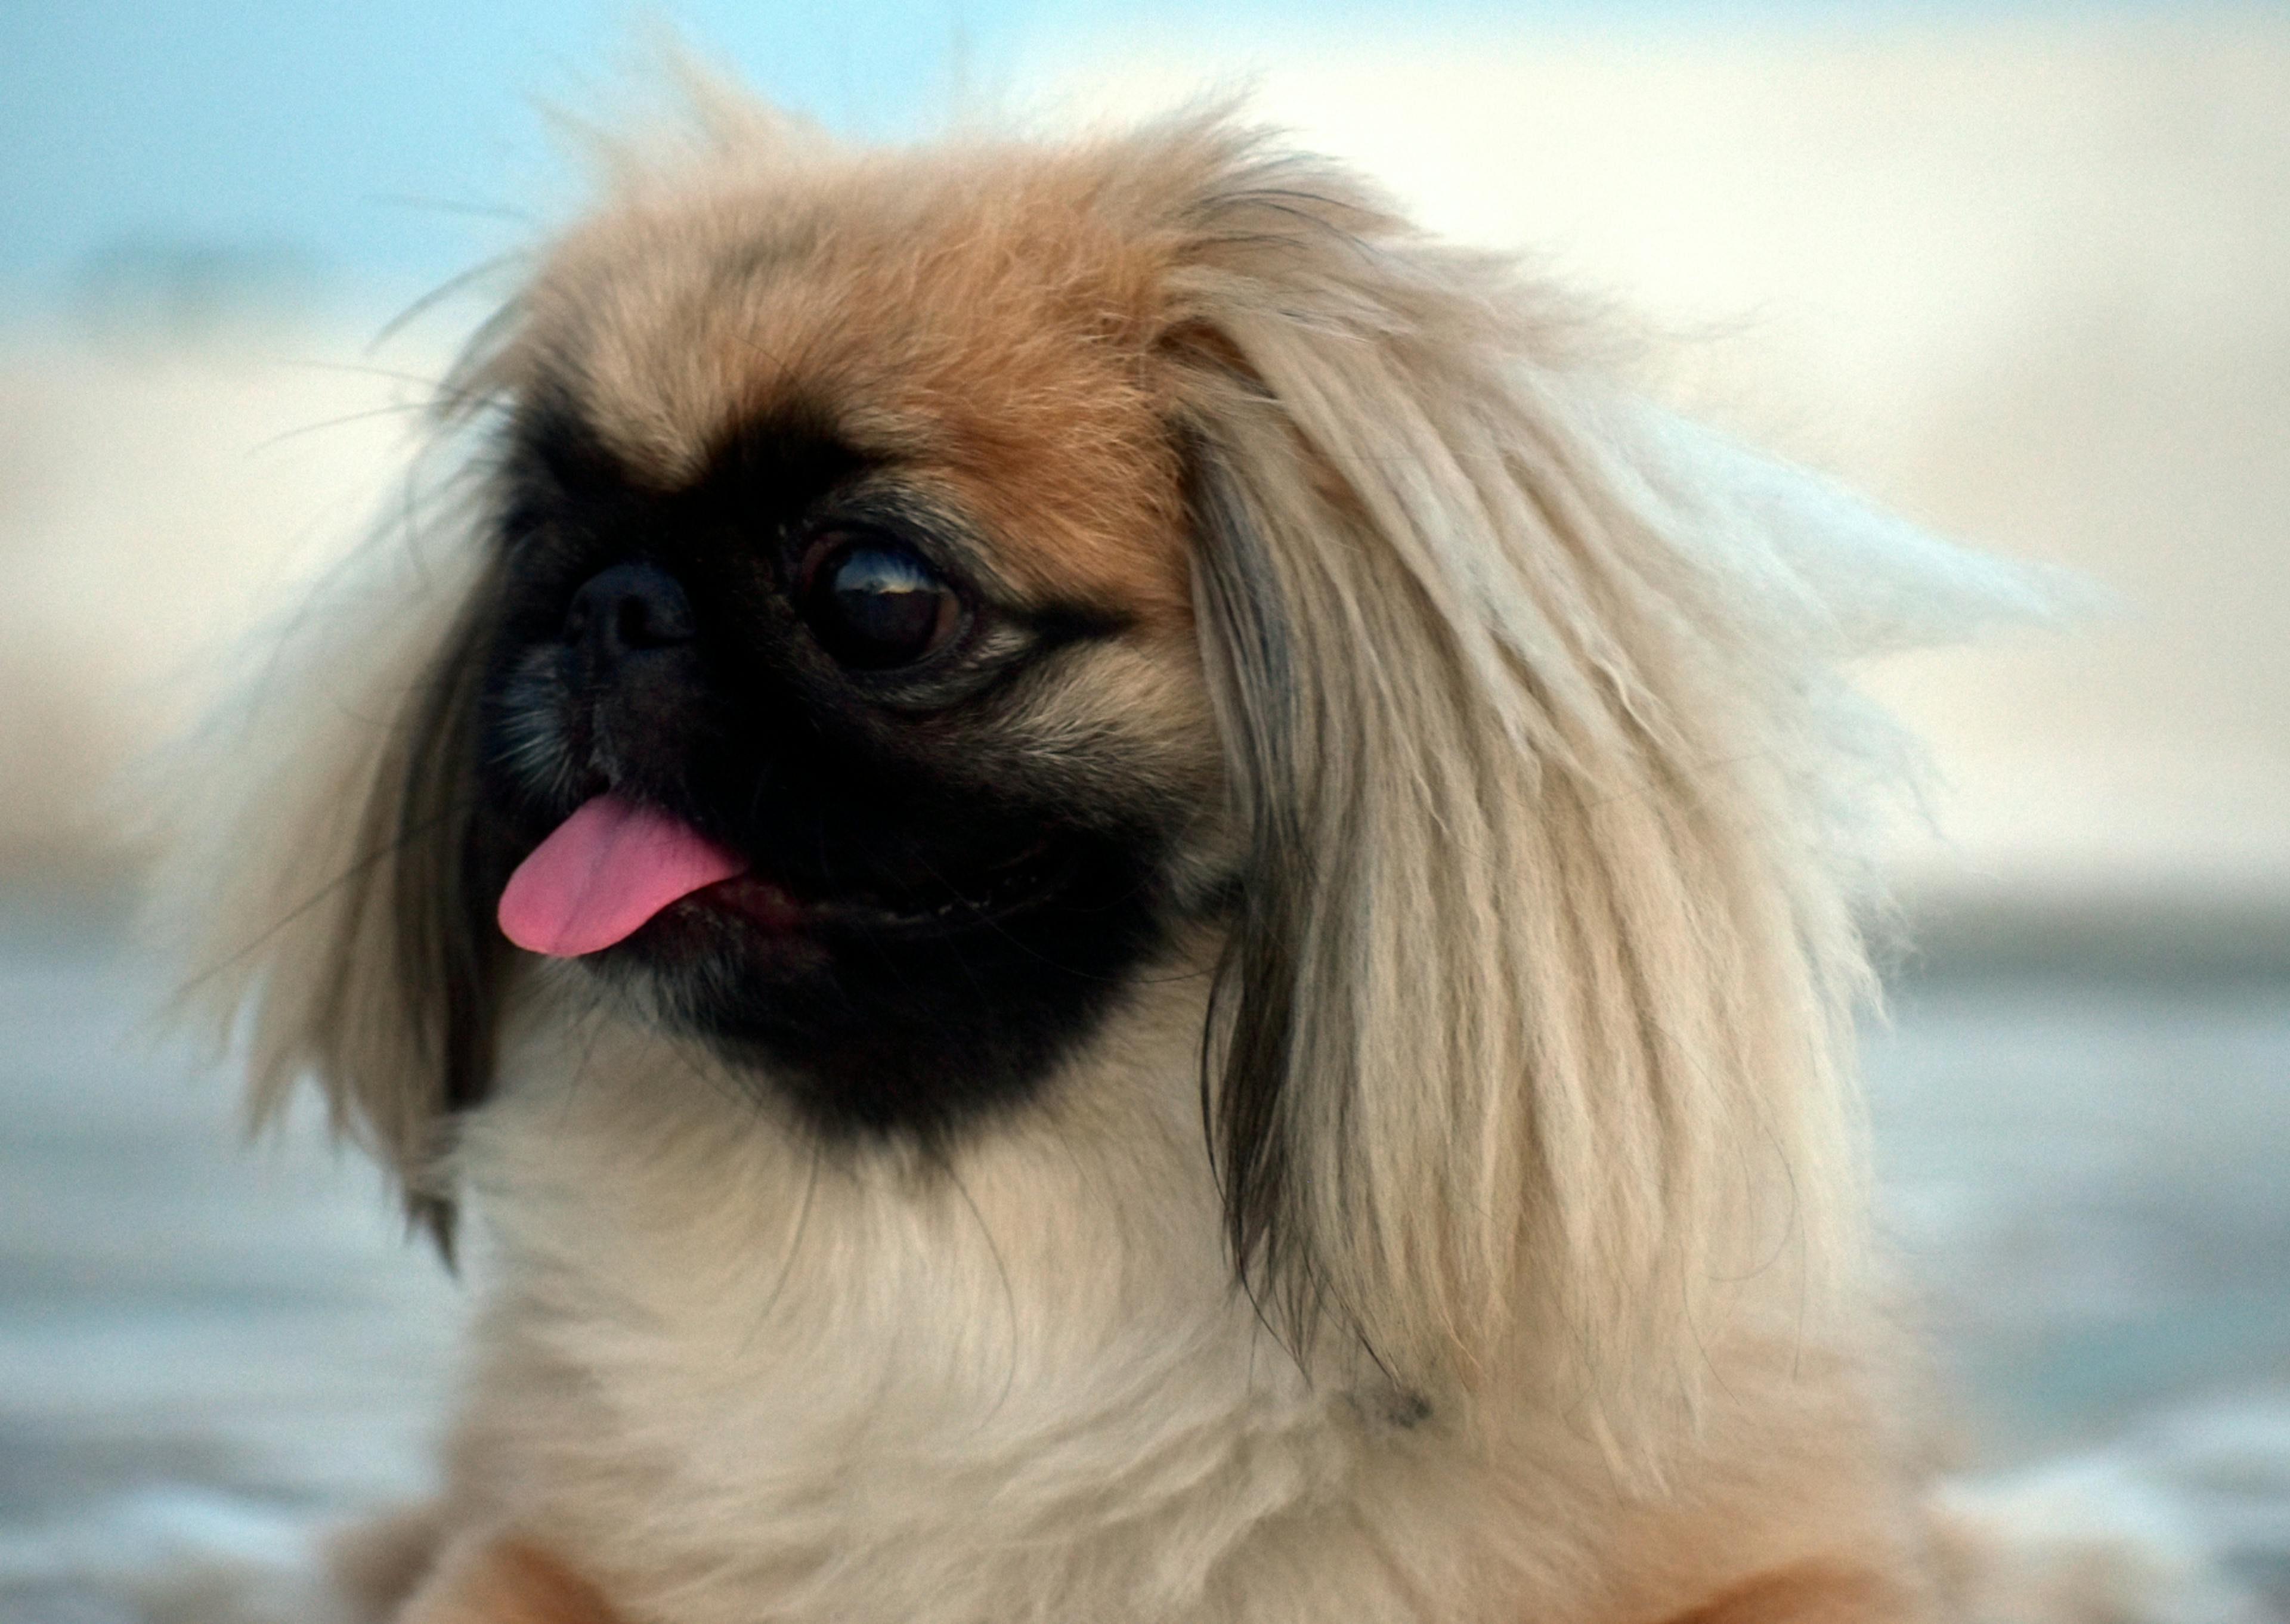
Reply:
x=1536, y=1011
x=343, y=895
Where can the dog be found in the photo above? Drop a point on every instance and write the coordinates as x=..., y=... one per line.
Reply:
x=1092, y=893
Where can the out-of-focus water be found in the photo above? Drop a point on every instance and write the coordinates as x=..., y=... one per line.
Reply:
x=2086, y=1174
x=190, y=1328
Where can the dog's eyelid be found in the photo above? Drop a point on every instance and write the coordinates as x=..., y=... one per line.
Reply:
x=997, y=643
x=938, y=540
x=954, y=550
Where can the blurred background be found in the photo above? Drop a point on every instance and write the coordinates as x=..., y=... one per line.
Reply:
x=2022, y=271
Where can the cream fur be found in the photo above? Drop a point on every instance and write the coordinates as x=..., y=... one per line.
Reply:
x=1559, y=1303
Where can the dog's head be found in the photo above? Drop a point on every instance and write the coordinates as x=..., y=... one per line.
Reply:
x=916, y=600
x=845, y=546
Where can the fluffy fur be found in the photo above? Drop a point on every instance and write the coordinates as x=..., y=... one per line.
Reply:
x=1451, y=1208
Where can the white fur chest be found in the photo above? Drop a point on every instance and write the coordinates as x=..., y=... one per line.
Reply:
x=719, y=1365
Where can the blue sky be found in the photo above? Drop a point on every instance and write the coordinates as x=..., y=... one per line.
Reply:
x=332, y=134
x=369, y=141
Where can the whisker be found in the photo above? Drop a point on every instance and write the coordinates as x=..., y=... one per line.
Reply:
x=395, y=409
x=437, y=295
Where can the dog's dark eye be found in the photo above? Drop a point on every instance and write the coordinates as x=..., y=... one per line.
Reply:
x=873, y=603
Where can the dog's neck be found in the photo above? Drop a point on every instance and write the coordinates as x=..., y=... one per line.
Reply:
x=719, y=1359
x=1076, y=1233
x=688, y=1300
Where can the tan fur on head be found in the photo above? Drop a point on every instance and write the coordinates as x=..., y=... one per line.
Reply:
x=1521, y=811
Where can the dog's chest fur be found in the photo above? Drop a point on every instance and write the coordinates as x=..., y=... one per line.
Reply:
x=722, y=1368
x=731, y=1379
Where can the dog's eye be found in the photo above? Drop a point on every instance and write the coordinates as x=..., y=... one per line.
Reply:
x=873, y=603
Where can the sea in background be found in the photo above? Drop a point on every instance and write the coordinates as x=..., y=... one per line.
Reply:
x=2019, y=272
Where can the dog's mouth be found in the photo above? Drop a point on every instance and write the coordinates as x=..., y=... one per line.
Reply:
x=617, y=864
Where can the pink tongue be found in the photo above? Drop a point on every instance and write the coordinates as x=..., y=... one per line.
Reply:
x=609, y=868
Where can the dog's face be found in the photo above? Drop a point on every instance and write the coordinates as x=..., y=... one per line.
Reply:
x=864, y=563
x=922, y=601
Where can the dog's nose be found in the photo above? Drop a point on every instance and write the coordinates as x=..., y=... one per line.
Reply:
x=625, y=609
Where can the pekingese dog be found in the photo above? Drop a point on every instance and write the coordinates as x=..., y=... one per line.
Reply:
x=1099, y=901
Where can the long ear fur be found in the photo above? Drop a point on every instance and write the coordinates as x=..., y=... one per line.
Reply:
x=337, y=887
x=1536, y=1019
